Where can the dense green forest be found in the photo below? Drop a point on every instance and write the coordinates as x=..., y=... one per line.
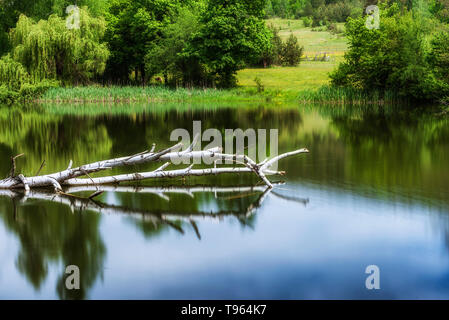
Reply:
x=316, y=12
x=203, y=43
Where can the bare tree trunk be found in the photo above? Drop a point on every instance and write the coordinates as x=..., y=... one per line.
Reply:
x=71, y=176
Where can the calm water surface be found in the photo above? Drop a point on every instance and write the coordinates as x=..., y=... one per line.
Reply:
x=373, y=190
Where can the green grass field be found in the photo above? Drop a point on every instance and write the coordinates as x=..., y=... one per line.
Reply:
x=309, y=74
x=313, y=41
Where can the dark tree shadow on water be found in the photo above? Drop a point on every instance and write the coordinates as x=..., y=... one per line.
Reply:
x=48, y=234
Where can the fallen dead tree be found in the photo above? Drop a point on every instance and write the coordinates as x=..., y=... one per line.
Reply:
x=80, y=176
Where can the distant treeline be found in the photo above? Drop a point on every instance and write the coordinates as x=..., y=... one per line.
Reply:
x=322, y=12
x=316, y=12
x=203, y=43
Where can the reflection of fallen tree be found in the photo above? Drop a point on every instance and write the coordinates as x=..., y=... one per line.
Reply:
x=71, y=176
x=290, y=198
x=157, y=217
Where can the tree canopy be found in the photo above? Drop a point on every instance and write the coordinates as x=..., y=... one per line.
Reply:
x=398, y=56
x=192, y=43
x=49, y=50
x=232, y=33
x=134, y=27
x=46, y=53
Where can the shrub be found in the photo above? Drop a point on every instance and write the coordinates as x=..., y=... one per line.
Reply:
x=7, y=96
x=259, y=85
x=307, y=21
x=32, y=91
x=286, y=53
x=291, y=52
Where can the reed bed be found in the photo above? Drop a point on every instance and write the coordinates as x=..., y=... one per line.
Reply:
x=349, y=96
x=124, y=95
x=117, y=94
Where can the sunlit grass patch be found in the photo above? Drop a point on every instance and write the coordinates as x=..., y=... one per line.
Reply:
x=308, y=75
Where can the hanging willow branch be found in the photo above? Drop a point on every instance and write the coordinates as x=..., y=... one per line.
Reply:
x=80, y=176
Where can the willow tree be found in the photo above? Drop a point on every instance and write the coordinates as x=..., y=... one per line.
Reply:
x=49, y=50
x=12, y=74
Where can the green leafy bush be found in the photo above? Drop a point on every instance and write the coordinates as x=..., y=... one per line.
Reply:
x=395, y=56
x=259, y=85
x=272, y=53
x=281, y=53
x=307, y=21
x=291, y=52
x=7, y=96
x=32, y=91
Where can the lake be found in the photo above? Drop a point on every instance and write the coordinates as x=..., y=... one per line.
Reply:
x=374, y=190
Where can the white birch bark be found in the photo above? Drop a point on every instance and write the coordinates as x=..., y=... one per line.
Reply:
x=71, y=176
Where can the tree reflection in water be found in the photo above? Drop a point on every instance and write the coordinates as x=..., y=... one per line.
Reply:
x=49, y=233
x=37, y=218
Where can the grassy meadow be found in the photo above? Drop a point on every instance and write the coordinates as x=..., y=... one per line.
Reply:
x=314, y=40
x=309, y=75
